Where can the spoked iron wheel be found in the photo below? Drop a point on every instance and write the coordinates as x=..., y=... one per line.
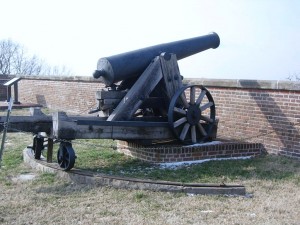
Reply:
x=66, y=156
x=192, y=114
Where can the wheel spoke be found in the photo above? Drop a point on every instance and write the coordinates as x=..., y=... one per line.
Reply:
x=192, y=95
x=201, y=129
x=191, y=114
x=179, y=111
x=206, y=119
x=201, y=96
x=193, y=134
x=184, y=101
x=179, y=122
x=184, y=131
x=62, y=164
x=206, y=106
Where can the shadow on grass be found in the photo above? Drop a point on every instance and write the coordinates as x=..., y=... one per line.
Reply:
x=105, y=160
x=267, y=167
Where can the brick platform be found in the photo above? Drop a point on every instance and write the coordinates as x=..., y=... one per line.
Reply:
x=212, y=150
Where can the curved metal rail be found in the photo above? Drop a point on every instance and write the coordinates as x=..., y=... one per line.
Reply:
x=91, y=178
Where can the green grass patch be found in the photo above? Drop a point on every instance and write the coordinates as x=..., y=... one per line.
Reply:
x=12, y=157
x=45, y=178
x=272, y=181
x=100, y=156
x=140, y=196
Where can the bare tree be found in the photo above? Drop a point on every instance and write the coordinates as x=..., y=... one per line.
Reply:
x=55, y=70
x=15, y=60
x=294, y=76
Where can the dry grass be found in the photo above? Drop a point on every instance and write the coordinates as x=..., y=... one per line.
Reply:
x=36, y=202
x=49, y=200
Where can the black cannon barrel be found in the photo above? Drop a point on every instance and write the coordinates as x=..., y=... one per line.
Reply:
x=130, y=64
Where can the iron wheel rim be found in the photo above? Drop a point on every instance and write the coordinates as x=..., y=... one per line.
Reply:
x=192, y=119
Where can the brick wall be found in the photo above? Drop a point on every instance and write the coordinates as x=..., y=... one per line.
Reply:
x=269, y=117
x=264, y=112
x=267, y=112
x=75, y=95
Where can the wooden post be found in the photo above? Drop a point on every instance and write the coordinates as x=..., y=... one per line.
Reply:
x=50, y=150
x=8, y=93
x=8, y=84
x=16, y=93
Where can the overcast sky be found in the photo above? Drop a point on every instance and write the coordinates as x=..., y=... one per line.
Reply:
x=259, y=38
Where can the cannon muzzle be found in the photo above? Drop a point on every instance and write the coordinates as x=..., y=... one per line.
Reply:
x=132, y=64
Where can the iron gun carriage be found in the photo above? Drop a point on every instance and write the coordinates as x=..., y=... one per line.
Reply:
x=144, y=100
x=145, y=87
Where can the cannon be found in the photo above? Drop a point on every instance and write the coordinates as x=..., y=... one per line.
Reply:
x=144, y=101
x=130, y=64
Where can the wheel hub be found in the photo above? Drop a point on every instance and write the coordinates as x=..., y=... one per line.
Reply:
x=193, y=114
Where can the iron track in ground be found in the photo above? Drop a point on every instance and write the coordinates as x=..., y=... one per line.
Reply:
x=91, y=178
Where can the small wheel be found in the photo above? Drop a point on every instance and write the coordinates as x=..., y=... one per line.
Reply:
x=192, y=114
x=66, y=156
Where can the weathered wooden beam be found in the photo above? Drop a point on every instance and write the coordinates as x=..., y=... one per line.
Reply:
x=33, y=124
x=69, y=128
x=16, y=93
x=111, y=101
x=50, y=150
x=171, y=74
x=8, y=93
x=103, y=94
x=152, y=102
x=138, y=92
